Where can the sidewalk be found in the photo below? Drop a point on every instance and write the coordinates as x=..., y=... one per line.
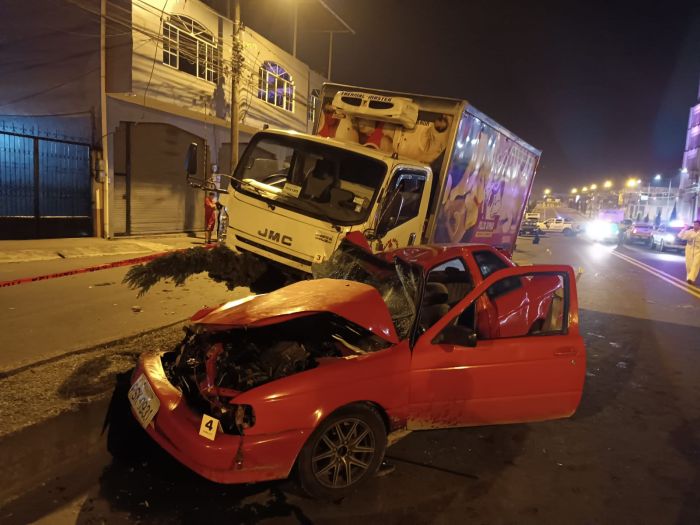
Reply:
x=83, y=247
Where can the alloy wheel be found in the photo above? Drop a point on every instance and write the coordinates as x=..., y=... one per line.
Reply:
x=343, y=453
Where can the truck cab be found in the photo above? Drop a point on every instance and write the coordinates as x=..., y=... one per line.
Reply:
x=319, y=190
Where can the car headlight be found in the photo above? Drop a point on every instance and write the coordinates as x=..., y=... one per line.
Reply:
x=669, y=238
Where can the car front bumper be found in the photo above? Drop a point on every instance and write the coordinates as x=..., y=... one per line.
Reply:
x=227, y=459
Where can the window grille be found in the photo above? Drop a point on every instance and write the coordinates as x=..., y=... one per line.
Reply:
x=275, y=86
x=189, y=47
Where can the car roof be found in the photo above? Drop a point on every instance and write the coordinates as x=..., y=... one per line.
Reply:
x=429, y=255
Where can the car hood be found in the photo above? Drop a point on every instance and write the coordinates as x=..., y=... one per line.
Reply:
x=356, y=302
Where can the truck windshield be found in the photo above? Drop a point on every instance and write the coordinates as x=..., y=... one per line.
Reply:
x=319, y=180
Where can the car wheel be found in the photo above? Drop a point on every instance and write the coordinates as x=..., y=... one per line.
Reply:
x=650, y=242
x=568, y=232
x=343, y=452
x=661, y=245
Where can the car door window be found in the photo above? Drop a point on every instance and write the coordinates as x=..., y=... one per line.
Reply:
x=488, y=262
x=446, y=285
x=538, y=307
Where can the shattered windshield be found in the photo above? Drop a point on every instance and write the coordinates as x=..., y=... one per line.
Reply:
x=320, y=180
x=398, y=282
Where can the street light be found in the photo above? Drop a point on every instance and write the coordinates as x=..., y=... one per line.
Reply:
x=607, y=184
x=657, y=176
x=631, y=183
x=547, y=191
x=584, y=189
x=574, y=190
x=594, y=186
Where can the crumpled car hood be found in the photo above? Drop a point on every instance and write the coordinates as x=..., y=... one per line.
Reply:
x=357, y=302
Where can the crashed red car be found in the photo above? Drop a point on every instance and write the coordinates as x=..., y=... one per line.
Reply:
x=320, y=374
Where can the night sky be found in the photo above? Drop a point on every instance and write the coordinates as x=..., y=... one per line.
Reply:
x=603, y=90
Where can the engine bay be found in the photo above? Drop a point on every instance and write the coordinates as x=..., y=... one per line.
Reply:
x=211, y=368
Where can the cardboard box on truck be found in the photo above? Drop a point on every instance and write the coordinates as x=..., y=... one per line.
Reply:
x=403, y=169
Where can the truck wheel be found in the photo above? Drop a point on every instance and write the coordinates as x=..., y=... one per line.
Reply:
x=343, y=452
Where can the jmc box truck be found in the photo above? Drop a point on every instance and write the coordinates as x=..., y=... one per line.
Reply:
x=403, y=169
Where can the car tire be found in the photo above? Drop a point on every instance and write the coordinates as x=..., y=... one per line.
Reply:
x=343, y=452
x=568, y=232
x=661, y=246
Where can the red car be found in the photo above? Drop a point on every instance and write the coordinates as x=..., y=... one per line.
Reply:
x=323, y=373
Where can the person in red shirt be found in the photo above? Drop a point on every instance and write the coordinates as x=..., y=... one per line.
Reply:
x=209, y=216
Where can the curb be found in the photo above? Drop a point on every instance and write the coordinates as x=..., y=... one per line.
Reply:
x=40, y=452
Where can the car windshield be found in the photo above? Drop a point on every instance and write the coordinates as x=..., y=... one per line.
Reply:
x=397, y=281
x=319, y=180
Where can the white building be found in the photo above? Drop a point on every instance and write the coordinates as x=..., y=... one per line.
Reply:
x=166, y=83
x=690, y=174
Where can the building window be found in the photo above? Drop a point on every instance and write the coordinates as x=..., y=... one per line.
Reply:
x=314, y=101
x=188, y=46
x=276, y=86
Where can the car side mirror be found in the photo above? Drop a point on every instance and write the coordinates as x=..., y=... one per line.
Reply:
x=191, y=160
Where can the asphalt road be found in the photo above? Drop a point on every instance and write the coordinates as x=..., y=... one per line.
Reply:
x=631, y=454
x=45, y=319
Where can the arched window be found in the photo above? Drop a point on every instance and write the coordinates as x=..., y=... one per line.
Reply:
x=188, y=46
x=276, y=86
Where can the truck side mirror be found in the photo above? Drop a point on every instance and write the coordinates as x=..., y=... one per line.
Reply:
x=191, y=160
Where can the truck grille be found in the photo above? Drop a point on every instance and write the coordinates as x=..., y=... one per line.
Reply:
x=279, y=253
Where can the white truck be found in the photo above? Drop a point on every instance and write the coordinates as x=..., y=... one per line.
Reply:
x=402, y=169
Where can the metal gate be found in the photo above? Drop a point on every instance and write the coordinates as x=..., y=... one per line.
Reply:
x=44, y=187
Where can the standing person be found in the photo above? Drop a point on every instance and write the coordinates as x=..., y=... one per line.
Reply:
x=692, y=250
x=209, y=216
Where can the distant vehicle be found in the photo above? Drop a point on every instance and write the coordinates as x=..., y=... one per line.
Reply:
x=639, y=233
x=532, y=216
x=666, y=238
x=602, y=231
x=530, y=229
x=565, y=226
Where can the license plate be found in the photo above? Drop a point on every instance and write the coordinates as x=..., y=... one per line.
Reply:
x=143, y=401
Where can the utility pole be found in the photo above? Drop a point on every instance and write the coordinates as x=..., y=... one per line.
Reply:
x=106, y=233
x=236, y=66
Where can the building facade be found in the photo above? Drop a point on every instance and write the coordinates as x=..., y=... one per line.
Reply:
x=103, y=101
x=690, y=174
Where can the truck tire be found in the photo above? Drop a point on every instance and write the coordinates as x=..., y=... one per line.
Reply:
x=343, y=452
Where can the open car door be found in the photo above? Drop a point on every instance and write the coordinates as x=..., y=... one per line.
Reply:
x=510, y=351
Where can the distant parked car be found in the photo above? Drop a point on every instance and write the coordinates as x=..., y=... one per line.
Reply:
x=529, y=229
x=666, y=238
x=639, y=233
x=559, y=224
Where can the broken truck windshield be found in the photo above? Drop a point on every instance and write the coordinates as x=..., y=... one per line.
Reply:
x=316, y=179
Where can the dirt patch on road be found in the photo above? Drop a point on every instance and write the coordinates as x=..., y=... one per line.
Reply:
x=40, y=392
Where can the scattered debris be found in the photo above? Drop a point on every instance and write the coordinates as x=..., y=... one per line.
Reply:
x=615, y=345
x=621, y=364
x=136, y=309
x=595, y=335
x=104, y=284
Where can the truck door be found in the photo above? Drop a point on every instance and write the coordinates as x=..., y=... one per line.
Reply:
x=403, y=209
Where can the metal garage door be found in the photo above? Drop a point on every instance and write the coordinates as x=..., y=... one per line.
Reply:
x=153, y=182
x=44, y=187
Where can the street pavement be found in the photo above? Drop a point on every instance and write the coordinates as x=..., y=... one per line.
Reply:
x=631, y=454
x=46, y=319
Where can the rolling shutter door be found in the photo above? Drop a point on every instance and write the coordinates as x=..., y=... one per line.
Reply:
x=161, y=199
